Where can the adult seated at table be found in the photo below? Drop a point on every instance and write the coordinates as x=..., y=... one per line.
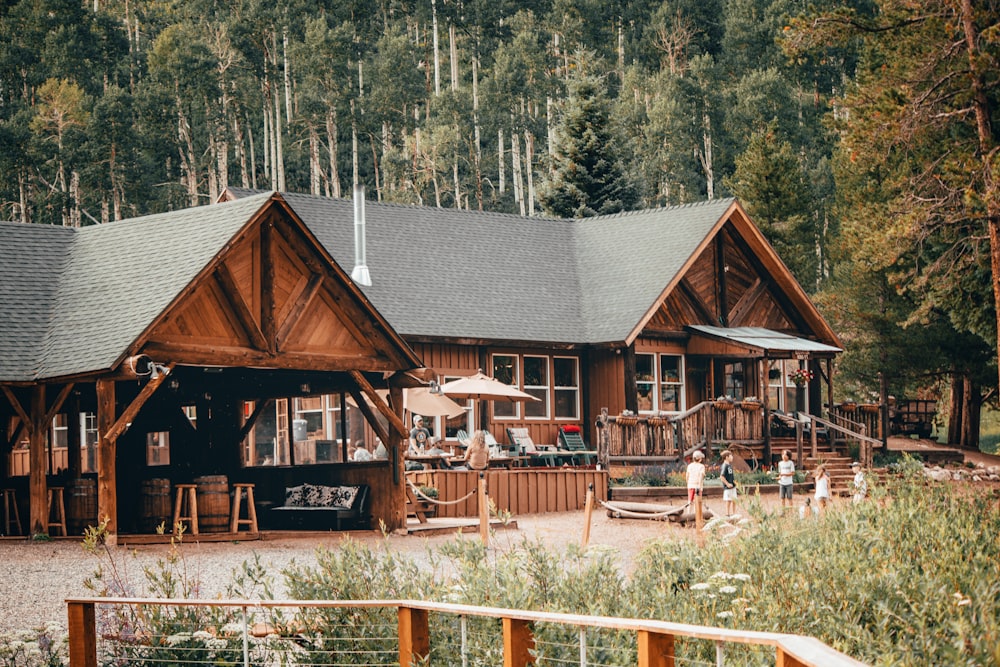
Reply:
x=419, y=435
x=477, y=456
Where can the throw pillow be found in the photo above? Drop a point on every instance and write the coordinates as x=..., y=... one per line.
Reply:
x=311, y=495
x=294, y=496
x=343, y=497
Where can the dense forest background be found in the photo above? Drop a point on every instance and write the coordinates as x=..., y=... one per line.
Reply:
x=860, y=140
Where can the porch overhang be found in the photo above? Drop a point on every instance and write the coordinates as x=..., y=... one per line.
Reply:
x=754, y=342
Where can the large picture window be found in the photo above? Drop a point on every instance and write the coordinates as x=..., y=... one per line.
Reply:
x=671, y=383
x=555, y=381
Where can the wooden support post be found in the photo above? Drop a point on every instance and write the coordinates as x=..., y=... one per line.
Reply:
x=655, y=649
x=414, y=636
x=782, y=659
x=518, y=642
x=699, y=520
x=82, y=634
x=813, y=440
x=38, y=495
x=107, y=483
x=484, y=511
x=588, y=510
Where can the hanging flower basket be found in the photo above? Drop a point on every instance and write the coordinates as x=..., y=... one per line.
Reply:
x=869, y=408
x=627, y=420
x=848, y=406
x=657, y=421
x=724, y=404
x=750, y=405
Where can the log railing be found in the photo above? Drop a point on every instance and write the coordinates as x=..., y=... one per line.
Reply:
x=673, y=435
x=656, y=643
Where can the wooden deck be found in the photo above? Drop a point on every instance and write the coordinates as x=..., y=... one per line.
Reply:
x=930, y=451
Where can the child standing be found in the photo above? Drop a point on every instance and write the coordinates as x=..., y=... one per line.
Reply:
x=695, y=475
x=786, y=477
x=860, y=483
x=822, y=487
x=728, y=476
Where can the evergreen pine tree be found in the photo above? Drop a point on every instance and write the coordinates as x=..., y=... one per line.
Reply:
x=586, y=176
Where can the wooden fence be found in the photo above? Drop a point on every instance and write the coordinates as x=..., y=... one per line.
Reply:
x=521, y=634
x=519, y=491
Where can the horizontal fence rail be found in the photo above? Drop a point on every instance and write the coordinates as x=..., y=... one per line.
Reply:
x=139, y=631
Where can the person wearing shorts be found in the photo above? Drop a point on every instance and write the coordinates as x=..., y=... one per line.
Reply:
x=695, y=475
x=786, y=477
x=728, y=477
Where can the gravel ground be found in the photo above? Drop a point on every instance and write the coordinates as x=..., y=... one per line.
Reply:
x=37, y=577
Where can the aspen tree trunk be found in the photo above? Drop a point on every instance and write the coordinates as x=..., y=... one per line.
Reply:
x=437, y=55
x=241, y=152
x=22, y=195
x=189, y=165
x=375, y=168
x=501, y=156
x=515, y=157
x=331, y=142
x=253, y=156
x=279, y=157
x=268, y=174
x=386, y=146
x=621, y=49
x=454, y=175
x=213, y=183
x=74, y=199
x=706, y=155
x=288, y=76
x=453, y=56
x=529, y=153
x=477, y=154
x=315, y=170
x=550, y=137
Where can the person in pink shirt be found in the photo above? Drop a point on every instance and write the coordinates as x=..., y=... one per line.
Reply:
x=695, y=475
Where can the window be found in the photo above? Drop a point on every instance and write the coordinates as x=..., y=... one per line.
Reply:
x=536, y=383
x=158, y=448
x=88, y=442
x=659, y=382
x=463, y=422
x=555, y=381
x=566, y=386
x=781, y=390
x=734, y=379
x=671, y=383
x=505, y=369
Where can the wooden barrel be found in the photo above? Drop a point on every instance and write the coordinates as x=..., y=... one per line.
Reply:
x=213, y=503
x=156, y=506
x=81, y=505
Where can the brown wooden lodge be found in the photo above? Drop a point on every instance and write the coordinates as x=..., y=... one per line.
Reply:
x=230, y=342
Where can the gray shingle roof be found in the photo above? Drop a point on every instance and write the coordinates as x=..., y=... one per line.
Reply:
x=106, y=284
x=77, y=299
x=460, y=274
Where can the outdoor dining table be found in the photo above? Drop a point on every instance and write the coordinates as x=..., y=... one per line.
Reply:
x=432, y=461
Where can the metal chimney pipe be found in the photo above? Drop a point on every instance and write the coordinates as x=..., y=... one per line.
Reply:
x=360, y=274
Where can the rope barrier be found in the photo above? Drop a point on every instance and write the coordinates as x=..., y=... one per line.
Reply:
x=434, y=501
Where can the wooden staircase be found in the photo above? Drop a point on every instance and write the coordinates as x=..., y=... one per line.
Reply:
x=838, y=466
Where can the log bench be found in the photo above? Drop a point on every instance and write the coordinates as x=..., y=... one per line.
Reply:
x=319, y=507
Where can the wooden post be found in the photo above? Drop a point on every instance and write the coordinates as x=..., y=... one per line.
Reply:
x=813, y=440
x=588, y=510
x=82, y=634
x=38, y=494
x=782, y=659
x=655, y=649
x=699, y=519
x=107, y=484
x=414, y=636
x=396, y=447
x=484, y=511
x=518, y=642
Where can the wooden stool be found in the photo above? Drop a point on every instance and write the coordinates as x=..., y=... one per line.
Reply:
x=9, y=509
x=186, y=506
x=235, y=521
x=57, y=503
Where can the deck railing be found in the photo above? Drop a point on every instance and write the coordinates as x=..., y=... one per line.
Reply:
x=671, y=435
x=409, y=632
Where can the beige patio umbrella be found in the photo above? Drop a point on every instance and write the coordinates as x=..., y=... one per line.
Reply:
x=484, y=388
x=420, y=401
